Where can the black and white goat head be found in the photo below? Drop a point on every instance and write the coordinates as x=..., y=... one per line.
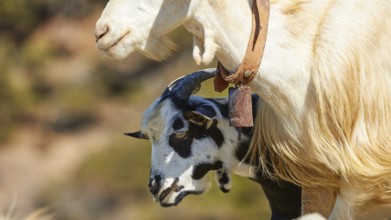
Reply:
x=191, y=136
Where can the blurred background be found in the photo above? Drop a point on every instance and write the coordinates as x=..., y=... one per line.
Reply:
x=63, y=110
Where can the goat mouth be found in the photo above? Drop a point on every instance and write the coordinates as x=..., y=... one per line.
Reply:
x=177, y=189
x=180, y=197
x=107, y=48
x=173, y=188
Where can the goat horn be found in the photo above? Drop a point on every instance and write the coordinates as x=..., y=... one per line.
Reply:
x=137, y=134
x=184, y=87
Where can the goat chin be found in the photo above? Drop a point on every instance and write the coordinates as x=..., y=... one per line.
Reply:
x=158, y=49
x=171, y=196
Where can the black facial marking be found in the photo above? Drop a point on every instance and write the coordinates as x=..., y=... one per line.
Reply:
x=181, y=147
x=200, y=170
x=215, y=134
x=178, y=124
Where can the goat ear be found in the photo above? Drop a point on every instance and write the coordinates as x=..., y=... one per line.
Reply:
x=137, y=134
x=198, y=118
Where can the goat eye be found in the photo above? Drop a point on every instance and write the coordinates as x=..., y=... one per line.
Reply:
x=181, y=135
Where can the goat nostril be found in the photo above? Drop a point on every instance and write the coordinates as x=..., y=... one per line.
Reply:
x=154, y=184
x=101, y=31
x=153, y=187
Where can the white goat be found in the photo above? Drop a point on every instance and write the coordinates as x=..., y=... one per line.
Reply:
x=325, y=79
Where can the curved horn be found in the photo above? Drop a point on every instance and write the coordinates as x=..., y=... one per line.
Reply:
x=184, y=87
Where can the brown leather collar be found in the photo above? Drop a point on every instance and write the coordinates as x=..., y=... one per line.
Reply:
x=253, y=57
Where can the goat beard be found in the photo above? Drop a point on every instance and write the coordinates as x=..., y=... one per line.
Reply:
x=159, y=49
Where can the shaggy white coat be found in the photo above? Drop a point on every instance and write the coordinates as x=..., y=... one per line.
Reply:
x=325, y=80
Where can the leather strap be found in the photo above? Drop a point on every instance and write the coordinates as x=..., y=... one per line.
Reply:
x=253, y=57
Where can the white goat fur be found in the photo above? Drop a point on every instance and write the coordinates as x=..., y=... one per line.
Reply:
x=325, y=80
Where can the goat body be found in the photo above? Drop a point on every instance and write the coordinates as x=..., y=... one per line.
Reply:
x=325, y=82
